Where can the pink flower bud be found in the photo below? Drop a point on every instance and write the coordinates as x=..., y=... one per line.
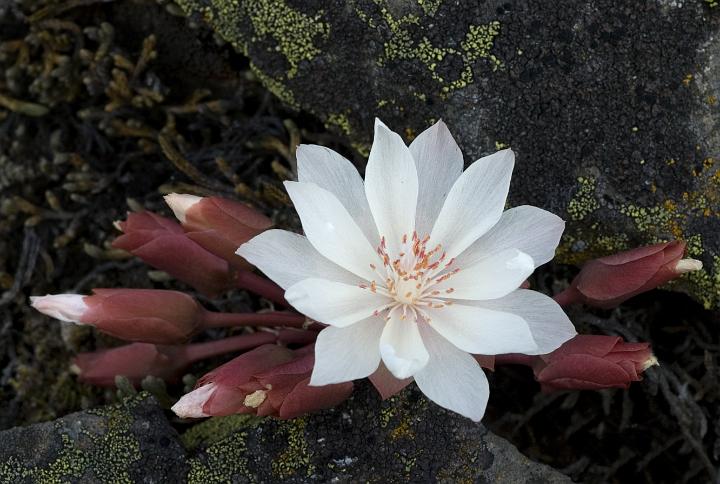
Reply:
x=593, y=362
x=217, y=224
x=608, y=281
x=134, y=361
x=162, y=243
x=147, y=315
x=270, y=380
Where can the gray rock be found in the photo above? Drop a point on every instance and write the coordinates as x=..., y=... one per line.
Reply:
x=405, y=439
x=612, y=107
x=128, y=443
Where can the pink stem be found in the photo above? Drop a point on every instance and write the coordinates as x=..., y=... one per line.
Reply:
x=516, y=359
x=275, y=318
x=293, y=336
x=567, y=297
x=261, y=286
x=200, y=351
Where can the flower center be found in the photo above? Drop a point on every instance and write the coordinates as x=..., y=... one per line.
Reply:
x=412, y=277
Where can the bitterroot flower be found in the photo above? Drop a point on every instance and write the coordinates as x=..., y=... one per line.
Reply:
x=418, y=266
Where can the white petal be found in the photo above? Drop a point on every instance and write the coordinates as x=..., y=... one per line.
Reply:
x=482, y=331
x=334, y=303
x=391, y=186
x=489, y=278
x=439, y=163
x=288, y=258
x=475, y=203
x=65, y=307
x=529, y=229
x=331, y=230
x=401, y=346
x=336, y=174
x=191, y=404
x=452, y=378
x=346, y=354
x=180, y=203
x=549, y=325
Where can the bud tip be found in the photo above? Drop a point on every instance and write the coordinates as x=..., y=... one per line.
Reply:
x=180, y=203
x=652, y=361
x=191, y=404
x=65, y=307
x=688, y=265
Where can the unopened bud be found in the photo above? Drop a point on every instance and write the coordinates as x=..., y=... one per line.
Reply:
x=269, y=380
x=608, y=281
x=147, y=315
x=593, y=362
x=219, y=225
x=162, y=243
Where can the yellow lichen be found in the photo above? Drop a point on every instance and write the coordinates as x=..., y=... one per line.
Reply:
x=584, y=202
x=477, y=44
x=298, y=455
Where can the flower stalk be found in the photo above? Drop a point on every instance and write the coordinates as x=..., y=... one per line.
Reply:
x=261, y=286
x=138, y=360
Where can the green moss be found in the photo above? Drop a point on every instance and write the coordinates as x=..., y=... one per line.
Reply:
x=107, y=457
x=297, y=456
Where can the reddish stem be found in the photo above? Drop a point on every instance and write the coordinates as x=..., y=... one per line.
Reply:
x=200, y=351
x=516, y=359
x=293, y=336
x=568, y=297
x=275, y=318
x=261, y=286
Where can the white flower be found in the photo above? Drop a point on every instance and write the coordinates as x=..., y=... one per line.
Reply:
x=418, y=266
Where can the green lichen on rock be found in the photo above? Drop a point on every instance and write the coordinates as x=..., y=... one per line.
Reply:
x=221, y=462
x=102, y=446
x=215, y=429
x=584, y=201
x=280, y=27
x=275, y=86
x=294, y=33
x=477, y=44
x=659, y=223
x=297, y=457
x=366, y=440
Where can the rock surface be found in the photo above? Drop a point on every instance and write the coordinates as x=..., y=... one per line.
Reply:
x=405, y=439
x=128, y=443
x=612, y=108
